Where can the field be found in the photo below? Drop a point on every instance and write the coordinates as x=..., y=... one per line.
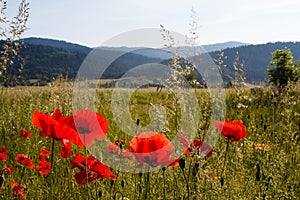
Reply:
x=263, y=165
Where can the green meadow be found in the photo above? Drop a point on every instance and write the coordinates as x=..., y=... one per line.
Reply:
x=264, y=165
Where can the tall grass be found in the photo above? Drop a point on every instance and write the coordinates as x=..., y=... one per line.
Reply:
x=265, y=165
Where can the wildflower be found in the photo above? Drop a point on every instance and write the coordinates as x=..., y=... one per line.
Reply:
x=213, y=175
x=8, y=169
x=90, y=169
x=24, y=159
x=43, y=167
x=3, y=153
x=3, y=157
x=25, y=134
x=89, y=126
x=267, y=148
x=18, y=189
x=44, y=154
x=194, y=146
x=152, y=148
x=78, y=161
x=66, y=148
x=53, y=126
x=3, y=150
x=257, y=146
x=233, y=130
x=116, y=150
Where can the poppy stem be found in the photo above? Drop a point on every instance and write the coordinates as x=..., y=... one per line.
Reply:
x=164, y=169
x=118, y=192
x=52, y=152
x=224, y=164
x=187, y=183
x=147, y=183
x=52, y=167
x=86, y=167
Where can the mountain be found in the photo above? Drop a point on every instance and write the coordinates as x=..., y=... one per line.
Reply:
x=225, y=45
x=47, y=58
x=256, y=58
x=57, y=44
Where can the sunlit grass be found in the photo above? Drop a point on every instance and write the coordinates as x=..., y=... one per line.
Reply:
x=269, y=172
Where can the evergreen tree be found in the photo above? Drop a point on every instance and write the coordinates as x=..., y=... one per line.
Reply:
x=282, y=68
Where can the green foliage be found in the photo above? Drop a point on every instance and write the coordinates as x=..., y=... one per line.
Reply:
x=282, y=69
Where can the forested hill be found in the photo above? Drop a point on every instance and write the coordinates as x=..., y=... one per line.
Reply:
x=45, y=63
x=47, y=59
x=57, y=44
x=257, y=58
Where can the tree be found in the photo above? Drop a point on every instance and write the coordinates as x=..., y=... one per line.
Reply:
x=11, y=32
x=282, y=69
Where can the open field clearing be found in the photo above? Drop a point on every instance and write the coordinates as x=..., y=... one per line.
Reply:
x=265, y=164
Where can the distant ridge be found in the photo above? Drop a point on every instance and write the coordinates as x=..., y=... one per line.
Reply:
x=57, y=44
x=48, y=58
x=224, y=45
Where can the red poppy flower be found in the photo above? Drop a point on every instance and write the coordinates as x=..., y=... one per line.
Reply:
x=3, y=150
x=233, y=130
x=90, y=169
x=44, y=153
x=120, y=142
x=3, y=157
x=115, y=149
x=78, y=161
x=24, y=159
x=102, y=170
x=198, y=146
x=3, y=153
x=25, y=134
x=53, y=126
x=43, y=167
x=18, y=189
x=89, y=126
x=8, y=169
x=66, y=149
x=152, y=148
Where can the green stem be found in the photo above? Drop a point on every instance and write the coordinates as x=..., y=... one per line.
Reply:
x=52, y=168
x=225, y=159
x=52, y=153
x=147, y=183
x=187, y=183
x=164, y=183
x=86, y=167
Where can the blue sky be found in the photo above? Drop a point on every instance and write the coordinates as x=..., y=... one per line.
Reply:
x=92, y=22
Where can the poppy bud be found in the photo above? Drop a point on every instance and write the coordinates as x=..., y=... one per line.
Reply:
x=122, y=183
x=140, y=174
x=100, y=193
x=182, y=163
x=195, y=169
x=138, y=122
x=222, y=181
x=268, y=182
x=265, y=127
x=1, y=181
x=257, y=172
x=163, y=168
x=112, y=183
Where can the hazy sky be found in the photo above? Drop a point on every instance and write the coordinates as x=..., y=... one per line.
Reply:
x=91, y=22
